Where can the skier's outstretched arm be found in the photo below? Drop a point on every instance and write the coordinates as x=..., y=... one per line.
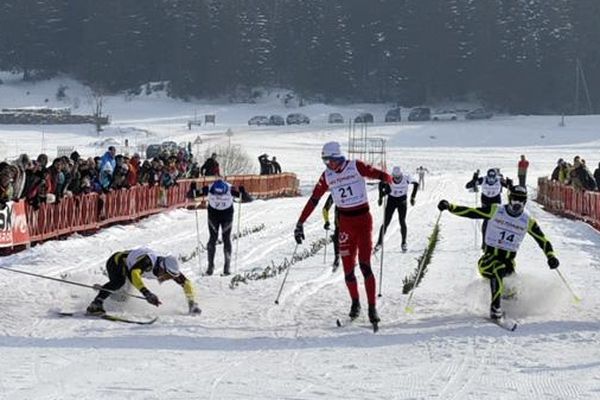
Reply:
x=486, y=212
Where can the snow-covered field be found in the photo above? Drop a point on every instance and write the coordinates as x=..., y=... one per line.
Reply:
x=245, y=346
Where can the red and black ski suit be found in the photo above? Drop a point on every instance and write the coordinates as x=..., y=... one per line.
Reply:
x=356, y=227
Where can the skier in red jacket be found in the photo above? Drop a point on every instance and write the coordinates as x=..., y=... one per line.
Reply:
x=345, y=179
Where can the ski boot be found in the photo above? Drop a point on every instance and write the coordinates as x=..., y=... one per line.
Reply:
x=354, y=309
x=404, y=247
x=210, y=270
x=226, y=266
x=496, y=312
x=95, y=308
x=374, y=317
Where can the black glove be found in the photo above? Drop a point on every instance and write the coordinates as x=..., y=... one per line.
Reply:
x=193, y=307
x=380, y=201
x=299, y=233
x=151, y=297
x=326, y=226
x=412, y=201
x=242, y=189
x=443, y=205
x=553, y=262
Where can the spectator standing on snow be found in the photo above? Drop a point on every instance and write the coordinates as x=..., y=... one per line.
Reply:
x=597, y=177
x=265, y=164
x=522, y=170
x=210, y=166
x=275, y=167
x=508, y=225
x=107, y=168
x=345, y=179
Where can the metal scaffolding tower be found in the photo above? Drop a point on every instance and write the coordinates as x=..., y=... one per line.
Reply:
x=362, y=147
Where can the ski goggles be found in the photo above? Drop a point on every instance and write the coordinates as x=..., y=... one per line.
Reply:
x=332, y=162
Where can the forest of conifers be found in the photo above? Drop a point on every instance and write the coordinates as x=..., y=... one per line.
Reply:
x=514, y=55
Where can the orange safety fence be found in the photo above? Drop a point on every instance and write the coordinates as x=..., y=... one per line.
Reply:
x=565, y=200
x=22, y=225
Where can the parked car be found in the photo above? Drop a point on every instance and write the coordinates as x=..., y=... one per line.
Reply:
x=169, y=145
x=419, y=114
x=153, y=150
x=364, y=118
x=276, y=120
x=335, y=118
x=393, y=115
x=479, y=113
x=297, y=119
x=258, y=120
x=444, y=115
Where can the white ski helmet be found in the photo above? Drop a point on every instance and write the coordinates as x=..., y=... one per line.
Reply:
x=396, y=172
x=170, y=266
x=331, y=150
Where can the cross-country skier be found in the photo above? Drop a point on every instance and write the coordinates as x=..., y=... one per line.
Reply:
x=132, y=265
x=491, y=190
x=507, y=227
x=421, y=171
x=345, y=179
x=397, y=192
x=336, y=229
x=220, y=214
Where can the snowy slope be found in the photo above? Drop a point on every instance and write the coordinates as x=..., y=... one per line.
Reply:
x=245, y=346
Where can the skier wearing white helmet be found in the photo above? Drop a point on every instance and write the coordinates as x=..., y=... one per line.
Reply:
x=132, y=265
x=345, y=179
x=397, y=192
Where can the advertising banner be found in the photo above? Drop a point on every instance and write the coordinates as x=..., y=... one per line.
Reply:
x=13, y=225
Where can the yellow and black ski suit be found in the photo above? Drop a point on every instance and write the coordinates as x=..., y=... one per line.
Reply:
x=497, y=263
x=119, y=273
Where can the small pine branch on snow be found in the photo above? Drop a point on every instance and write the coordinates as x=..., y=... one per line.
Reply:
x=273, y=270
x=412, y=281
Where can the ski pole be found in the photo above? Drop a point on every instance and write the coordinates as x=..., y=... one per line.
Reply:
x=325, y=248
x=576, y=298
x=382, y=235
x=95, y=287
x=237, y=242
x=407, y=308
x=286, y=274
x=198, y=244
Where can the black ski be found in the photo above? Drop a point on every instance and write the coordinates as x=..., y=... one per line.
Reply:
x=110, y=317
x=505, y=323
x=348, y=321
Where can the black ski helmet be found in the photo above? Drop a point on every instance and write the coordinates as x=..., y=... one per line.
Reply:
x=518, y=193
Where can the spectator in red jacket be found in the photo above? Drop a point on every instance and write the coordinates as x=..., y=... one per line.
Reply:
x=522, y=170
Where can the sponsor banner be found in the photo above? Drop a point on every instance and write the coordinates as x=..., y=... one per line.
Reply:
x=13, y=225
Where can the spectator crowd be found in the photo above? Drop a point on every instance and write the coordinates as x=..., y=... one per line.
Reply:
x=576, y=174
x=36, y=182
